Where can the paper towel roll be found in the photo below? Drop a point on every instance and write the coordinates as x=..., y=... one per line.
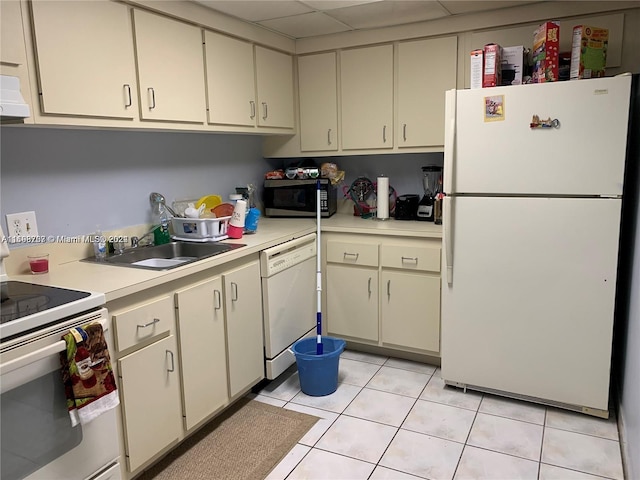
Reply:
x=382, y=196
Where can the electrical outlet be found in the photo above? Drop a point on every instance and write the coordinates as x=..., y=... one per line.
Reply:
x=22, y=224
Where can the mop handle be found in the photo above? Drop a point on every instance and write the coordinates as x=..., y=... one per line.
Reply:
x=318, y=275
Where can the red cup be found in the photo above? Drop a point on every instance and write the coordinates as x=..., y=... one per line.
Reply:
x=39, y=263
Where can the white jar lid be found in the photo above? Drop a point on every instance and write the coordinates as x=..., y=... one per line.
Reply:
x=235, y=196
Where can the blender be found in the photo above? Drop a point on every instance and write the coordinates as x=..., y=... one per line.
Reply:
x=431, y=176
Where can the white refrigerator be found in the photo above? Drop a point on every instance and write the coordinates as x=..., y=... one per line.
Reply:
x=533, y=177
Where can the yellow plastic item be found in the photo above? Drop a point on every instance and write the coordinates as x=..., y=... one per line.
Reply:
x=209, y=202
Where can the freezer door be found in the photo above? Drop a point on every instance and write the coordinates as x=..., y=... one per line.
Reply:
x=530, y=307
x=497, y=151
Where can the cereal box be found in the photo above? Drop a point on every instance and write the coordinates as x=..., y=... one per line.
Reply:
x=588, y=52
x=492, y=71
x=476, y=68
x=546, y=42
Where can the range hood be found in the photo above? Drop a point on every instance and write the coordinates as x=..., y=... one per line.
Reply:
x=12, y=104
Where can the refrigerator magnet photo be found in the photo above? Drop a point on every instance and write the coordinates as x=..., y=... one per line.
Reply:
x=494, y=108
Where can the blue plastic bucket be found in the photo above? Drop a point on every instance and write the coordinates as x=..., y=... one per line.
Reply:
x=318, y=373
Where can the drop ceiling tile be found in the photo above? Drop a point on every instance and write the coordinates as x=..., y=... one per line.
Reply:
x=257, y=10
x=381, y=14
x=322, y=5
x=456, y=7
x=306, y=25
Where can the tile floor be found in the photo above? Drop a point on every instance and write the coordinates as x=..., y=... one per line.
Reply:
x=395, y=419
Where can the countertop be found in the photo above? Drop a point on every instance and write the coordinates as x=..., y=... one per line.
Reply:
x=117, y=282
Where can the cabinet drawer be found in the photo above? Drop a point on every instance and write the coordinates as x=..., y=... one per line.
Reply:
x=411, y=258
x=352, y=253
x=143, y=322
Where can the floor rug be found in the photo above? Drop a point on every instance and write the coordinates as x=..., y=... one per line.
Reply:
x=244, y=443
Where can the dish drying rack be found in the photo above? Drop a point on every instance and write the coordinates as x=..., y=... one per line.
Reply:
x=200, y=229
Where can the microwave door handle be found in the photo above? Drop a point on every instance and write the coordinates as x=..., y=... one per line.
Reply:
x=36, y=356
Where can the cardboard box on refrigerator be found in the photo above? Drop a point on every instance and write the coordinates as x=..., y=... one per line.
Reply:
x=588, y=52
x=515, y=65
x=546, y=45
x=476, y=68
x=492, y=70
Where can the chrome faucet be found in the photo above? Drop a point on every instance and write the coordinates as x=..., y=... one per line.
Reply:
x=135, y=241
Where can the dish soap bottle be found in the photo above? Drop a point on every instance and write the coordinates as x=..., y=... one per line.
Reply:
x=160, y=219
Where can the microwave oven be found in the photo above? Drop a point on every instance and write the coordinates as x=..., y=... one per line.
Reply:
x=297, y=198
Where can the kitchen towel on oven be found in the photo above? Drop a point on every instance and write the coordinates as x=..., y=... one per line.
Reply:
x=88, y=379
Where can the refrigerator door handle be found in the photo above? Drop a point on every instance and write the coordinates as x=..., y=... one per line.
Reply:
x=449, y=140
x=448, y=237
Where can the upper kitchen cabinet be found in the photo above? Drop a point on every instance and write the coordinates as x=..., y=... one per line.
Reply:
x=274, y=82
x=246, y=89
x=85, y=60
x=231, y=86
x=318, y=93
x=170, y=69
x=367, y=97
x=426, y=69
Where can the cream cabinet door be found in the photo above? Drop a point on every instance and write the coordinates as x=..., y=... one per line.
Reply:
x=245, y=346
x=150, y=385
x=410, y=310
x=200, y=315
x=170, y=69
x=352, y=301
x=85, y=59
x=426, y=69
x=367, y=97
x=274, y=75
x=318, y=93
x=231, y=90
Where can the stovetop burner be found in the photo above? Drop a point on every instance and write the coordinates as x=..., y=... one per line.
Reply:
x=26, y=307
x=20, y=299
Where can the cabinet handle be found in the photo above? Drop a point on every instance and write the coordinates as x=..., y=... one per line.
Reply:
x=356, y=255
x=152, y=99
x=154, y=321
x=329, y=137
x=253, y=109
x=384, y=134
x=369, y=287
x=234, y=291
x=217, y=300
x=404, y=132
x=128, y=89
x=410, y=259
x=266, y=111
x=173, y=365
x=388, y=288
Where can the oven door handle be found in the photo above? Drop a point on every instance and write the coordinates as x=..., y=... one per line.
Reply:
x=38, y=355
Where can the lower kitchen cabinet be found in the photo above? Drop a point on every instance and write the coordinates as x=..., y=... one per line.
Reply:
x=384, y=291
x=410, y=310
x=150, y=399
x=352, y=308
x=200, y=316
x=148, y=372
x=243, y=311
x=352, y=289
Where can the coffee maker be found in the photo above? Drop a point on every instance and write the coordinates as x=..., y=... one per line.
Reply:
x=431, y=182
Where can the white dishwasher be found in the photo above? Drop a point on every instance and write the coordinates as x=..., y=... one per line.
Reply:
x=289, y=294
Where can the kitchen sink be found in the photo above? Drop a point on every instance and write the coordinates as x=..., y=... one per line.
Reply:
x=167, y=256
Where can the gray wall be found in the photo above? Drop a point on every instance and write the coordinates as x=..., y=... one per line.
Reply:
x=75, y=179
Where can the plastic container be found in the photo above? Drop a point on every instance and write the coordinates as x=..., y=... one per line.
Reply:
x=318, y=373
x=200, y=229
x=236, y=224
x=100, y=245
x=251, y=220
